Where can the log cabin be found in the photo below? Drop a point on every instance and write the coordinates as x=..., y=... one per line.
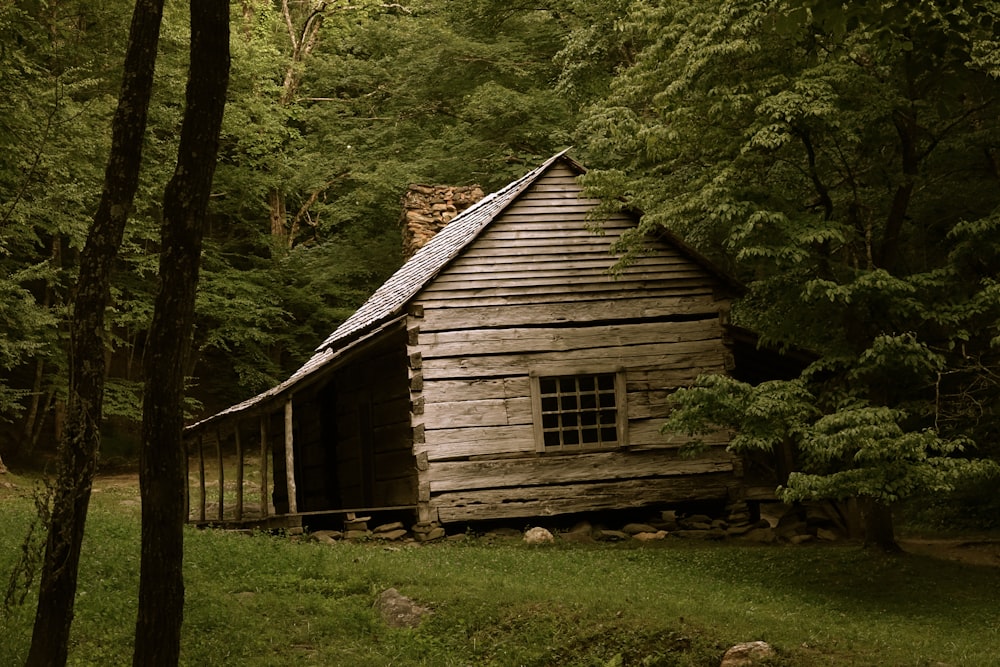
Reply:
x=508, y=370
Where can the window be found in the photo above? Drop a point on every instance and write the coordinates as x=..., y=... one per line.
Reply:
x=574, y=412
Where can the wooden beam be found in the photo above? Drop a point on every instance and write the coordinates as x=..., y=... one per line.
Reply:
x=201, y=477
x=264, y=461
x=239, y=471
x=518, y=502
x=290, y=456
x=222, y=473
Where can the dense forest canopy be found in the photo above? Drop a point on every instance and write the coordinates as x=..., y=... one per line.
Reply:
x=841, y=160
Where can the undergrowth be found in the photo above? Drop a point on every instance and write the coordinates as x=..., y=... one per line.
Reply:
x=266, y=600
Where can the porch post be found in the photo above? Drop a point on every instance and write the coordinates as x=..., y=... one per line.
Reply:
x=263, y=466
x=290, y=457
x=239, y=473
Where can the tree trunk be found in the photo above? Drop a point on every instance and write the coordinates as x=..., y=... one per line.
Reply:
x=79, y=446
x=163, y=472
x=879, y=532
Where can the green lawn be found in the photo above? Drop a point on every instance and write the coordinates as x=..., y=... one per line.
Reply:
x=264, y=600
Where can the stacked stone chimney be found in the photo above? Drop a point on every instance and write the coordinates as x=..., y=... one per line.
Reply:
x=428, y=208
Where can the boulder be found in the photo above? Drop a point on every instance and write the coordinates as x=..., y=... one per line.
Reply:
x=635, y=528
x=399, y=611
x=747, y=654
x=538, y=535
x=650, y=536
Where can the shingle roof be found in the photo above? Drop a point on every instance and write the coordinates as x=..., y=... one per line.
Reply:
x=386, y=304
x=403, y=285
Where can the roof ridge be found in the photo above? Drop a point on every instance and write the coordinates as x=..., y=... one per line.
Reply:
x=430, y=259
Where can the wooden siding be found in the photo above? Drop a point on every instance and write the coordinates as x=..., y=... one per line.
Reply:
x=534, y=293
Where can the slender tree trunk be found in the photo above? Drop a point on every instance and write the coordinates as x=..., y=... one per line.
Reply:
x=162, y=473
x=879, y=531
x=78, y=449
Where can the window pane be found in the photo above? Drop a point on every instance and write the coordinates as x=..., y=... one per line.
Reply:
x=578, y=411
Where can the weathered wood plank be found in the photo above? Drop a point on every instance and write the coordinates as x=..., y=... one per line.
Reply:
x=552, y=339
x=438, y=319
x=612, y=298
x=264, y=476
x=537, y=501
x=487, y=264
x=517, y=280
x=290, y=457
x=700, y=355
x=544, y=211
x=645, y=433
x=239, y=473
x=222, y=472
x=475, y=389
x=491, y=412
x=441, y=444
x=583, y=467
x=594, y=290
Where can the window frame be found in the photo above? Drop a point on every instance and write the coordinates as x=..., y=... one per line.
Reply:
x=621, y=410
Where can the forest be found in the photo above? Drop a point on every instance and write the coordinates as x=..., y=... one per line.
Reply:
x=842, y=162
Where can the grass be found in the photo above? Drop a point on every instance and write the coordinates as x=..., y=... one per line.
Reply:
x=265, y=600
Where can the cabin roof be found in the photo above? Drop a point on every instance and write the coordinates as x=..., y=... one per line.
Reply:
x=387, y=304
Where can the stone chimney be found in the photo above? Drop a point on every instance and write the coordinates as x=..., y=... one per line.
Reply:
x=428, y=208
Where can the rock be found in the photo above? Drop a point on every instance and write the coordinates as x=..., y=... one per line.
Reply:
x=397, y=534
x=582, y=532
x=740, y=529
x=361, y=523
x=433, y=534
x=388, y=527
x=695, y=518
x=327, y=536
x=747, y=654
x=538, y=535
x=650, y=536
x=765, y=535
x=399, y=611
x=800, y=539
x=827, y=535
x=635, y=528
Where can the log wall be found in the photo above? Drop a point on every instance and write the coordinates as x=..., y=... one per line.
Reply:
x=533, y=293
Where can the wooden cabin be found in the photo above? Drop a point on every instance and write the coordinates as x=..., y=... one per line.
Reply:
x=502, y=372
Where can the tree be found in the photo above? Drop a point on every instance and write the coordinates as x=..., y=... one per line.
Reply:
x=841, y=160
x=163, y=469
x=78, y=451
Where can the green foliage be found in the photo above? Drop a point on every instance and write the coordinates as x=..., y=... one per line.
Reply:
x=856, y=450
x=841, y=161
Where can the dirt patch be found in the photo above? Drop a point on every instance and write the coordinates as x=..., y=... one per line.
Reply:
x=985, y=552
